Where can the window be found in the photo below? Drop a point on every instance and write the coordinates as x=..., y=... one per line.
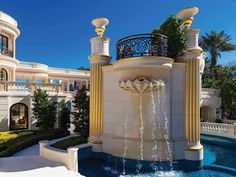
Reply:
x=3, y=42
x=3, y=75
x=18, y=116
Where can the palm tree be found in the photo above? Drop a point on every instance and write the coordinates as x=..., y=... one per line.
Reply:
x=216, y=43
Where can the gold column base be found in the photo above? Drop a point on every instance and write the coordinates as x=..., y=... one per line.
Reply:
x=197, y=147
x=94, y=141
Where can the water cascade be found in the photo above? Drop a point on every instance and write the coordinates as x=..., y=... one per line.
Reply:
x=166, y=133
x=154, y=132
x=141, y=131
x=125, y=146
x=159, y=131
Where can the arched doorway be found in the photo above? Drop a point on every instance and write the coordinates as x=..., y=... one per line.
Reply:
x=207, y=114
x=18, y=116
x=3, y=75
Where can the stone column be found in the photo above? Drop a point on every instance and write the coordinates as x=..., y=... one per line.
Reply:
x=86, y=84
x=34, y=83
x=50, y=81
x=98, y=58
x=67, y=86
x=34, y=79
x=14, y=47
x=192, y=58
x=60, y=85
x=13, y=75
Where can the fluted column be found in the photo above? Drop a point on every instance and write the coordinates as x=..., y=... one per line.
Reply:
x=98, y=58
x=192, y=58
x=192, y=100
x=96, y=95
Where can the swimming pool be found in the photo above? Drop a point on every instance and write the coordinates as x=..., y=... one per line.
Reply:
x=219, y=161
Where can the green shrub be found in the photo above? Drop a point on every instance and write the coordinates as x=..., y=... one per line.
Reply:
x=64, y=115
x=28, y=139
x=171, y=28
x=81, y=116
x=44, y=110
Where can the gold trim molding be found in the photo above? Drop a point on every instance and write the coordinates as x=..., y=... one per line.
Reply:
x=93, y=57
x=95, y=142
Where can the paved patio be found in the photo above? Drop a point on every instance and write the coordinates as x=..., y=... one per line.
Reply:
x=33, y=166
x=28, y=163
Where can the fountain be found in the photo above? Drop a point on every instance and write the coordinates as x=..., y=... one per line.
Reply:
x=144, y=107
x=143, y=85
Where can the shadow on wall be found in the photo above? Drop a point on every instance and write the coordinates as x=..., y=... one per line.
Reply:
x=4, y=124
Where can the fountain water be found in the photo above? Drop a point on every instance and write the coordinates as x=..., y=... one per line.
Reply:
x=125, y=146
x=154, y=128
x=142, y=86
x=141, y=131
x=166, y=132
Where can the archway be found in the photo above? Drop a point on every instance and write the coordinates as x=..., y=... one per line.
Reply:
x=18, y=116
x=207, y=114
x=3, y=75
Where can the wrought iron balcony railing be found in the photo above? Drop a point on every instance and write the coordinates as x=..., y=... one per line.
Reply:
x=6, y=52
x=141, y=45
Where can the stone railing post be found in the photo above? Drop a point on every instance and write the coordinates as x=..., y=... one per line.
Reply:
x=42, y=144
x=73, y=158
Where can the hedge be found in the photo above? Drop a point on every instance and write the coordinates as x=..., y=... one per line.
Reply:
x=14, y=145
x=72, y=141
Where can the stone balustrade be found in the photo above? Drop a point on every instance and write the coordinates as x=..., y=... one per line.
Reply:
x=6, y=86
x=219, y=128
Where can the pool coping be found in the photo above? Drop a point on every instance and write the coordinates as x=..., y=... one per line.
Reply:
x=227, y=141
x=232, y=137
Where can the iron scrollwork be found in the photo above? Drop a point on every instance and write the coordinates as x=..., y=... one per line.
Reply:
x=7, y=52
x=141, y=45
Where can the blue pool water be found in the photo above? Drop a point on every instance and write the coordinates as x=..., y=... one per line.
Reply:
x=219, y=161
x=218, y=155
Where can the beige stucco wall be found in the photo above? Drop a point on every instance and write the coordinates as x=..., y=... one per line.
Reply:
x=177, y=109
x=8, y=99
x=120, y=105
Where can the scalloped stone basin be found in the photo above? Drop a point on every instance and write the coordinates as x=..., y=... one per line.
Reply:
x=142, y=86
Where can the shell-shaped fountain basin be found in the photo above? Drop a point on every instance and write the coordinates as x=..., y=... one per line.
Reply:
x=142, y=86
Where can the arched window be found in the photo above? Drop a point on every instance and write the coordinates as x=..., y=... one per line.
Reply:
x=3, y=75
x=3, y=42
x=18, y=116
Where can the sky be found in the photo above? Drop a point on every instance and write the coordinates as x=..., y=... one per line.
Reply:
x=57, y=32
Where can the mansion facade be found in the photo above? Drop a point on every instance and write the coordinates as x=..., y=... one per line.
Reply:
x=19, y=79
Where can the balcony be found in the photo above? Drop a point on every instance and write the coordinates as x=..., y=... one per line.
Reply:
x=6, y=52
x=141, y=45
x=27, y=87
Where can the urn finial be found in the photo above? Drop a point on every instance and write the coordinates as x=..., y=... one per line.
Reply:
x=100, y=24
